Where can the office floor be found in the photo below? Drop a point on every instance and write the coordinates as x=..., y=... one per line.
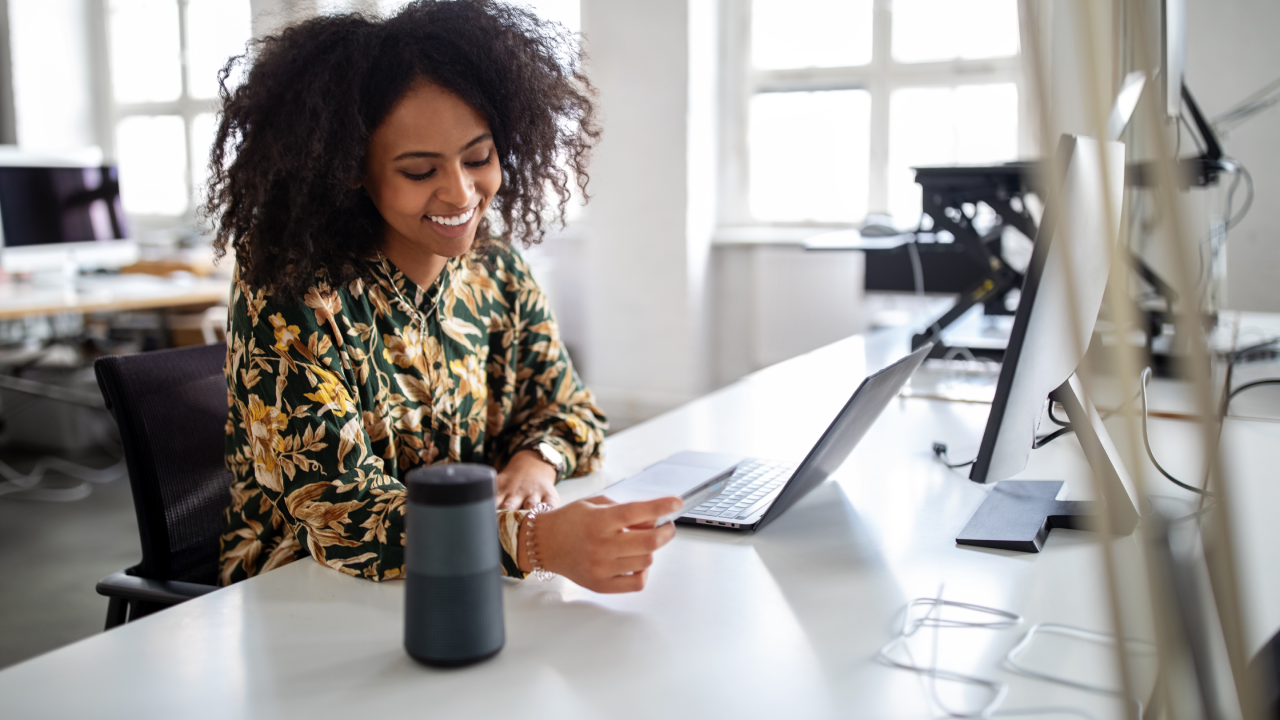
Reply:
x=51, y=556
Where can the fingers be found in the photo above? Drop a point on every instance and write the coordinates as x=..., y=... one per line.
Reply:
x=638, y=542
x=645, y=513
x=511, y=501
x=623, y=583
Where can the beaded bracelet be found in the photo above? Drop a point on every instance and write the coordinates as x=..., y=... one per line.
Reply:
x=531, y=547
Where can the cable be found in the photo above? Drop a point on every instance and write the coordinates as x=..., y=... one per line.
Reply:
x=1046, y=439
x=1011, y=662
x=1248, y=385
x=1241, y=172
x=917, y=270
x=1054, y=418
x=1146, y=375
x=28, y=483
x=1003, y=619
x=940, y=453
x=1065, y=425
x=1182, y=120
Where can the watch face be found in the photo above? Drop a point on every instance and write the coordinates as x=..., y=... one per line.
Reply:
x=551, y=455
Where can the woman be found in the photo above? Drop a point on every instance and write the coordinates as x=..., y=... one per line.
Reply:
x=370, y=177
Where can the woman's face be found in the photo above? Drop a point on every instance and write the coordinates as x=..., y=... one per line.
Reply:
x=432, y=171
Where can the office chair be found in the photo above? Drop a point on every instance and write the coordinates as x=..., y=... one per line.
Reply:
x=171, y=408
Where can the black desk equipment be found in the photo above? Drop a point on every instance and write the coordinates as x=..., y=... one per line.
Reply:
x=950, y=197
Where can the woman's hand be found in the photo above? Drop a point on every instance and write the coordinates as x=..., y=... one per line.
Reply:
x=526, y=481
x=599, y=544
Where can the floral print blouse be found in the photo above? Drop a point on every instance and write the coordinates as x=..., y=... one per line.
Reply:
x=335, y=397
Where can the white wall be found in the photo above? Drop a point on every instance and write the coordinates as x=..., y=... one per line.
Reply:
x=647, y=230
x=53, y=96
x=1232, y=51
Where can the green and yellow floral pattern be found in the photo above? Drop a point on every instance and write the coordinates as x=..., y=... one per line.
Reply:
x=335, y=398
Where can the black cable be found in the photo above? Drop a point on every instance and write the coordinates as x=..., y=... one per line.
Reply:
x=1182, y=119
x=940, y=453
x=1046, y=439
x=1248, y=385
x=1055, y=419
x=1242, y=171
x=1146, y=375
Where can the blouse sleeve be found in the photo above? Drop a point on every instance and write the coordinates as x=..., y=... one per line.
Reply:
x=551, y=403
x=301, y=436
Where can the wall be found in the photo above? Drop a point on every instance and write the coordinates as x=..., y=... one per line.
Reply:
x=1231, y=53
x=50, y=47
x=647, y=230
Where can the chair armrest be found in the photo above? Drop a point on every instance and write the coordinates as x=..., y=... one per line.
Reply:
x=168, y=592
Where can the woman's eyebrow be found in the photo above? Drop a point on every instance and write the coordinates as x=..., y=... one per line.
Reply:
x=424, y=154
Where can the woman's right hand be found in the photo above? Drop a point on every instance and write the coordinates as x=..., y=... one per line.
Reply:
x=599, y=544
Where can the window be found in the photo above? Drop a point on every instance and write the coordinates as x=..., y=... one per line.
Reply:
x=163, y=59
x=833, y=101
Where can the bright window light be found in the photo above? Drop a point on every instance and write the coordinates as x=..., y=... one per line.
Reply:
x=566, y=12
x=204, y=127
x=968, y=124
x=151, y=151
x=216, y=30
x=934, y=30
x=809, y=156
x=146, y=58
x=789, y=34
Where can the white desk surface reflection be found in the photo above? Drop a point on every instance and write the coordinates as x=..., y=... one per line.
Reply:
x=784, y=623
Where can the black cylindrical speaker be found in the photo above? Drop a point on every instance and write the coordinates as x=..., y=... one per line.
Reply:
x=453, y=583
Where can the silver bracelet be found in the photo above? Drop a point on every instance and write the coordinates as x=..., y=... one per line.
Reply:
x=530, y=545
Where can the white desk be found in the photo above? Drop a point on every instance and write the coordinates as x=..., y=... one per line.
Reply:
x=109, y=293
x=781, y=624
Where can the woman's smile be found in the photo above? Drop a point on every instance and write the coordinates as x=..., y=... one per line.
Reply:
x=432, y=171
x=454, y=225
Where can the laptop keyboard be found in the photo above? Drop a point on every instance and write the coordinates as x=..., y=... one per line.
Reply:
x=753, y=480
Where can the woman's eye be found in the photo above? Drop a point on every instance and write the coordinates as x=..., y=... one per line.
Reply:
x=481, y=163
x=418, y=177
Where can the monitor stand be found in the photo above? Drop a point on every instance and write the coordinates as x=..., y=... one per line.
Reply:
x=1018, y=514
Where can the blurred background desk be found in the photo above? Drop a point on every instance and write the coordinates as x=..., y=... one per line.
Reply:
x=110, y=293
x=782, y=623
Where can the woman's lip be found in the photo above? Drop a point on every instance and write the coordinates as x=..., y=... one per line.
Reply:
x=455, y=231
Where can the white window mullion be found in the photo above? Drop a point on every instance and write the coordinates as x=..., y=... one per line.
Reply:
x=188, y=117
x=878, y=201
x=736, y=87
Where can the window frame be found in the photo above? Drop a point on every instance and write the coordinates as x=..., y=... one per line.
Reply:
x=881, y=77
x=112, y=112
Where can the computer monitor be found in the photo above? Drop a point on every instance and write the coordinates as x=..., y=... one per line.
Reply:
x=63, y=218
x=1041, y=360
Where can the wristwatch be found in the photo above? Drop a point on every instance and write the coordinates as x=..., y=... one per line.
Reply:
x=551, y=456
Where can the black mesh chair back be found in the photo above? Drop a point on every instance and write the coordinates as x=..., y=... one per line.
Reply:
x=171, y=407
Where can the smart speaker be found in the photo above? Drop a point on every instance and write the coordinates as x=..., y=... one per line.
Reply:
x=453, y=585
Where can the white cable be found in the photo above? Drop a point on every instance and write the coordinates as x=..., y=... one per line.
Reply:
x=997, y=689
x=1011, y=663
x=28, y=483
x=1003, y=620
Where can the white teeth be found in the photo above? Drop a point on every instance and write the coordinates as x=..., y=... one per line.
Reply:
x=454, y=220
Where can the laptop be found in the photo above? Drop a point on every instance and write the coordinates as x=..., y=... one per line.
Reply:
x=761, y=490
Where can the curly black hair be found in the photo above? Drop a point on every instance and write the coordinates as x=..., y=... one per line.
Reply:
x=288, y=160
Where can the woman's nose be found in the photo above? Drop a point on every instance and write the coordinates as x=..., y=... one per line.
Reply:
x=456, y=187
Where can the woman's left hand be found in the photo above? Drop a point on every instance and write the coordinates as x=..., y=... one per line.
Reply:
x=526, y=481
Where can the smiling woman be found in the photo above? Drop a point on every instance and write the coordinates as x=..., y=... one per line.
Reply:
x=370, y=177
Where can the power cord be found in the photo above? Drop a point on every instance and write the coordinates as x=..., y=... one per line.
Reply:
x=28, y=483
x=890, y=654
x=1250, y=385
x=1146, y=375
x=940, y=452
